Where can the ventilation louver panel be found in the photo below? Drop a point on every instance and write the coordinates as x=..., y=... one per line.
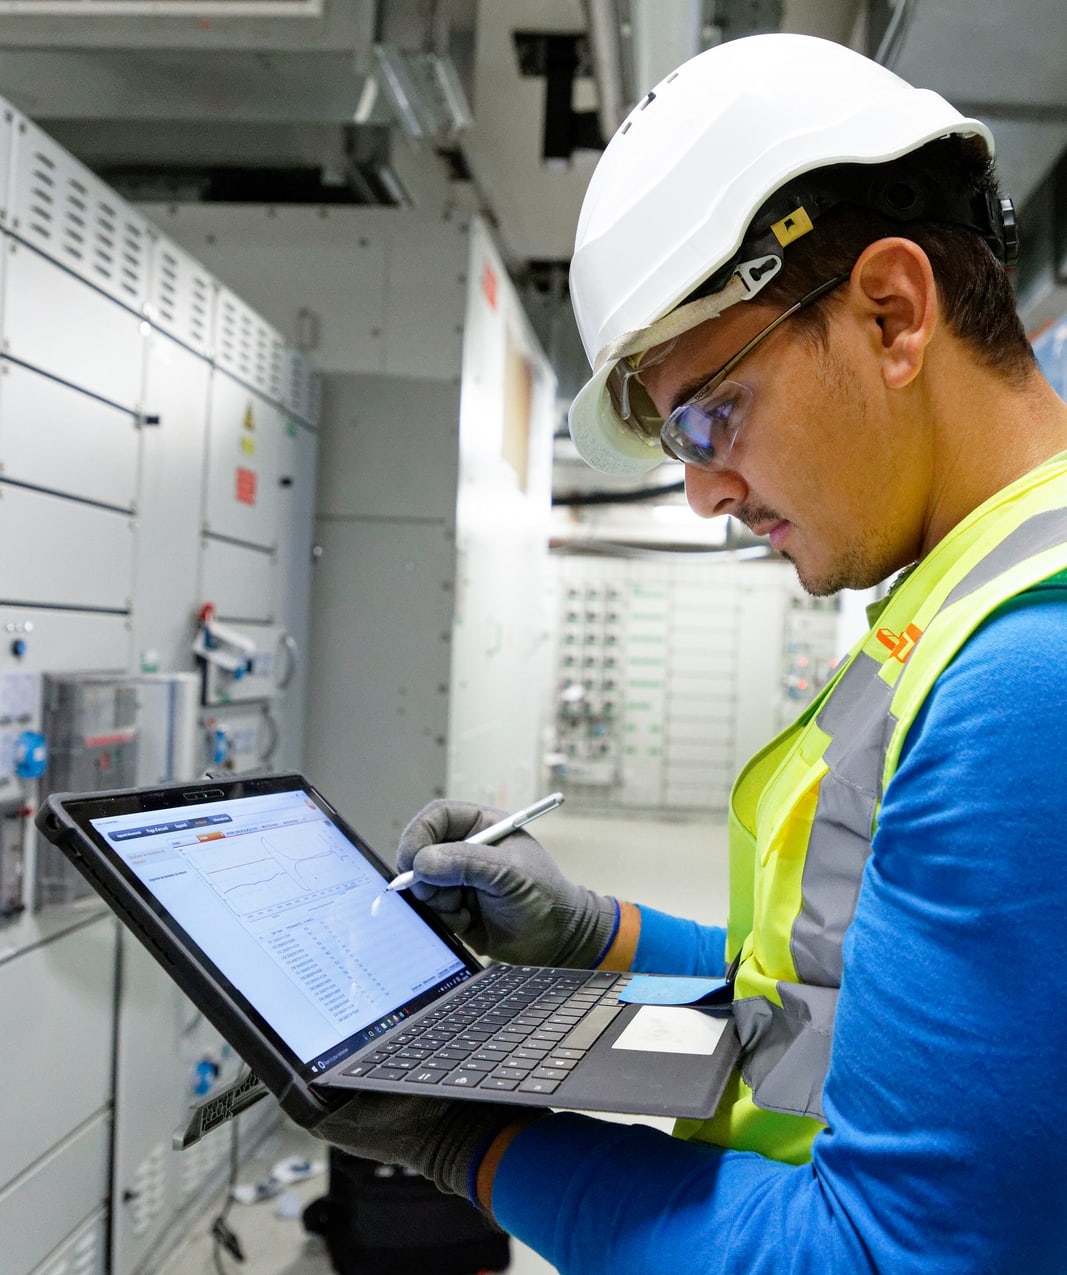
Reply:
x=148, y=1190
x=249, y=348
x=181, y=296
x=82, y=1254
x=59, y=207
x=296, y=390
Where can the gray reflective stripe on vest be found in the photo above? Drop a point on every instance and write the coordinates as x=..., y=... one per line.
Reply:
x=786, y=1049
x=1042, y=531
x=787, y=1071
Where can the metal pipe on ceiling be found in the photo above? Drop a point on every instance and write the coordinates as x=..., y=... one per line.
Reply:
x=605, y=48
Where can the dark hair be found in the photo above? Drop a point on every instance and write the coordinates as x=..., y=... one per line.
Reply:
x=973, y=285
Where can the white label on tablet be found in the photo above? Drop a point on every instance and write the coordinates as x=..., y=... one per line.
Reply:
x=667, y=1029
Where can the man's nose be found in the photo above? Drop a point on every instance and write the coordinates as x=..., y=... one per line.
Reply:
x=711, y=493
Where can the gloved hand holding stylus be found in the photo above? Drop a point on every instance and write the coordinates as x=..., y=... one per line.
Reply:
x=509, y=901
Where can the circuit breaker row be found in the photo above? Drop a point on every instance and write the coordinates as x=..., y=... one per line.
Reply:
x=644, y=701
x=670, y=672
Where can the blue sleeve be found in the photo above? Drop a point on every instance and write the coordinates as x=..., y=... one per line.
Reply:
x=669, y=945
x=947, y=1090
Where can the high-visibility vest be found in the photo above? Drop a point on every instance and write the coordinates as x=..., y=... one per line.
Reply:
x=804, y=810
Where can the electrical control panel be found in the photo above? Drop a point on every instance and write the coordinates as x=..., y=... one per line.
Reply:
x=671, y=671
x=809, y=652
x=21, y=757
x=588, y=690
x=256, y=665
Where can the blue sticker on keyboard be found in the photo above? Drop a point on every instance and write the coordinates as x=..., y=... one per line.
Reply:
x=654, y=989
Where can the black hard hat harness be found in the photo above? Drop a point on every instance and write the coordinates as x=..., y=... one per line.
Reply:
x=897, y=191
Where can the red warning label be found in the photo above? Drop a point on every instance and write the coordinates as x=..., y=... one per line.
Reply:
x=246, y=486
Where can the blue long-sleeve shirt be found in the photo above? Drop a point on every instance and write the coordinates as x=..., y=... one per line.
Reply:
x=946, y=1097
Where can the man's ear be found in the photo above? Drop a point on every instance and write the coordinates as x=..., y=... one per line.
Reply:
x=893, y=285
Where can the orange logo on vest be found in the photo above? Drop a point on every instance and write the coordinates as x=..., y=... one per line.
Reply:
x=900, y=645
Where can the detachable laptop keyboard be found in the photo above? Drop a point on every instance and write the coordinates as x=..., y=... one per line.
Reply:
x=514, y=1029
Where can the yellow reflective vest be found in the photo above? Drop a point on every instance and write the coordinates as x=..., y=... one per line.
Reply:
x=804, y=810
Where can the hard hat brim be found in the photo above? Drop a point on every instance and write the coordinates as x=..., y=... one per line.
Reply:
x=601, y=438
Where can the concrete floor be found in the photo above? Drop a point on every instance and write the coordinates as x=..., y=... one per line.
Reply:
x=677, y=866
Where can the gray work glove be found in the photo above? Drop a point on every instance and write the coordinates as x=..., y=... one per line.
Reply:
x=509, y=901
x=442, y=1139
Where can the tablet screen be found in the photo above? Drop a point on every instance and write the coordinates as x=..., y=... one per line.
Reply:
x=291, y=913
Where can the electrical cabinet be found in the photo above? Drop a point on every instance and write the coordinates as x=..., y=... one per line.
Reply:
x=238, y=580
x=156, y=443
x=57, y=439
x=390, y=681
x=65, y=212
x=296, y=559
x=168, y=539
x=56, y=1069
x=181, y=295
x=45, y=639
x=77, y=556
x=44, y=1212
x=429, y=650
x=244, y=460
x=48, y=313
x=82, y=1253
x=54, y=1002
x=168, y=1056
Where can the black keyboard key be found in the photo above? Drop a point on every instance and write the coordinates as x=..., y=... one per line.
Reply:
x=509, y=1038
x=389, y=1073
x=499, y=1083
x=426, y=1075
x=539, y=1086
x=463, y=1079
x=413, y=1053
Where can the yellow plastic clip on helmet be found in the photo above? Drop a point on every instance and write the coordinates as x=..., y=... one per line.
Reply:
x=672, y=198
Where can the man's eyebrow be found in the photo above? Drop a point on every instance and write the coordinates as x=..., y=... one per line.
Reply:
x=686, y=391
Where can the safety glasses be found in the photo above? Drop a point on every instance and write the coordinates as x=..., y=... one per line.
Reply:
x=702, y=430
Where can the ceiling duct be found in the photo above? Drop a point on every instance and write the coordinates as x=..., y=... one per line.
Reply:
x=263, y=101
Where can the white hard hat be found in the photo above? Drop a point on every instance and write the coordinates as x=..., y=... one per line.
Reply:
x=673, y=195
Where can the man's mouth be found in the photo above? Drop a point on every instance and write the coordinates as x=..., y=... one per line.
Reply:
x=775, y=530
x=778, y=533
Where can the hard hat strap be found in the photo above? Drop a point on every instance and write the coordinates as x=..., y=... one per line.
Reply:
x=898, y=191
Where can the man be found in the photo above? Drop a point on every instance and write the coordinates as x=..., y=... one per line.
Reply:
x=790, y=275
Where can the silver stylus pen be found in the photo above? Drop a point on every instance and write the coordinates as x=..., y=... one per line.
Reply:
x=495, y=832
